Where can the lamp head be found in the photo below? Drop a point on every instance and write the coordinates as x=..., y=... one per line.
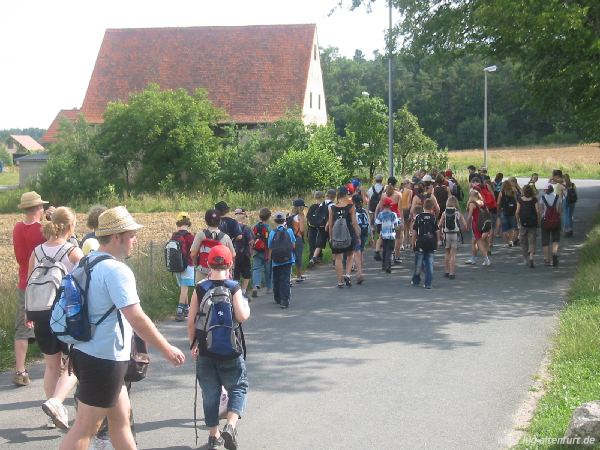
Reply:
x=490, y=69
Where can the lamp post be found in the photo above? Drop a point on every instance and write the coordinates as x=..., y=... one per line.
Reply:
x=390, y=110
x=485, y=102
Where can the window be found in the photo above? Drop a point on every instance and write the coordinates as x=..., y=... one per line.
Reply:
x=319, y=104
x=315, y=52
x=310, y=101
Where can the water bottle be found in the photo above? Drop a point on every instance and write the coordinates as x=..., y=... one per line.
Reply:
x=72, y=306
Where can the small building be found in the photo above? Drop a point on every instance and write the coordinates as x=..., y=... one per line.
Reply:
x=19, y=145
x=30, y=167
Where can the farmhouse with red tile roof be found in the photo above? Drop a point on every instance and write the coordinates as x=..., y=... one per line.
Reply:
x=69, y=114
x=255, y=73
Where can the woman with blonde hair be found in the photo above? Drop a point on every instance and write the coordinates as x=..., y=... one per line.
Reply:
x=56, y=385
x=475, y=205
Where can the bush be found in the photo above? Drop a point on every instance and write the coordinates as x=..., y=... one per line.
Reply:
x=5, y=157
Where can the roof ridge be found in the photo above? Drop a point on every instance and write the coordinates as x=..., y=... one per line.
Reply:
x=280, y=25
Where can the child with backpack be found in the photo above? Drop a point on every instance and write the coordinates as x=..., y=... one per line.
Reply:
x=48, y=264
x=362, y=217
x=261, y=266
x=217, y=311
x=297, y=222
x=452, y=223
x=528, y=216
x=206, y=239
x=343, y=235
x=314, y=221
x=242, y=270
x=507, y=204
x=281, y=246
x=320, y=223
x=186, y=278
x=550, y=204
x=387, y=223
x=481, y=225
x=424, y=242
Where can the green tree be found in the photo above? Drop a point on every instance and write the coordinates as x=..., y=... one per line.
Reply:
x=555, y=42
x=5, y=157
x=74, y=169
x=161, y=140
x=367, y=133
x=315, y=167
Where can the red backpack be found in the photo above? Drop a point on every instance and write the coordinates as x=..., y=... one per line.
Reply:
x=210, y=240
x=261, y=234
x=488, y=197
x=551, y=220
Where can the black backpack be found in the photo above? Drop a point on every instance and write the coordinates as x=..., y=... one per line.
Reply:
x=484, y=220
x=571, y=195
x=175, y=255
x=281, y=246
x=317, y=215
x=528, y=214
x=426, y=232
x=457, y=190
x=375, y=198
x=509, y=205
x=451, y=222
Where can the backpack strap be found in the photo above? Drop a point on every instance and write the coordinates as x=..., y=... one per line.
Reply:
x=545, y=201
x=62, y=252
x=35, y=252
x=555, y=201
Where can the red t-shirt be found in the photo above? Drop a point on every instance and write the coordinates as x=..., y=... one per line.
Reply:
x=26, y=237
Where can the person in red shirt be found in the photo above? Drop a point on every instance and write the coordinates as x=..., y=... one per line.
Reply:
x=27, y=234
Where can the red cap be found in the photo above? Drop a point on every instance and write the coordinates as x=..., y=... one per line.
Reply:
x=219, y=255
x=350, y=188
x=448, y=173
x=388, y=202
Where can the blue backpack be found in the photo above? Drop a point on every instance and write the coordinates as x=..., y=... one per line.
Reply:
x=218, y=334
x=69, y=318
x=363, y=220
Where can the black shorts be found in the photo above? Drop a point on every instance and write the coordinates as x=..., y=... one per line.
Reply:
x=100, y=380
x=550, y=236
x=242, y=267
x=321, y=239
x=46, y=340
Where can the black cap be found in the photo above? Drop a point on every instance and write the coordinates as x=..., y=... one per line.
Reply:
x=222, y=206
x=299, y=202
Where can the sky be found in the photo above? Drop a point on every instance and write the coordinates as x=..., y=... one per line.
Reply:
x=48, y=47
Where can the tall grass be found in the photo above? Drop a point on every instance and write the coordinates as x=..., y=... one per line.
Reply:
x=575, y=363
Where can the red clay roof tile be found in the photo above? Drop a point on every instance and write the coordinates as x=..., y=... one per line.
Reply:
x=69, y=114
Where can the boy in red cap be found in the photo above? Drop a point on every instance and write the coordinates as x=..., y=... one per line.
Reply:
x=212, y=372
x=387, y=222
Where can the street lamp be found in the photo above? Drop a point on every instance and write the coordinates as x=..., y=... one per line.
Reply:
x=390, y=110
x=485, y=72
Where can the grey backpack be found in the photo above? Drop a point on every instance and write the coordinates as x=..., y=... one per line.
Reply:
x=340, y=234
x=44, y=282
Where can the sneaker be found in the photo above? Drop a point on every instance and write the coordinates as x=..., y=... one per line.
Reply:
x=21, y=378
x=254, y=293
x=471, y=261
x=487, y=262
x=516, y=242
x=447, y=275
x=377, y=256
x=186, y=311
x=427, y=287
x=347, y=280
x=555, y=260
x=179, y=313
x=311, y=263
x=57, y=412
x=229, y=435
x=215, y=442
x=397, y=260
x=50, y=424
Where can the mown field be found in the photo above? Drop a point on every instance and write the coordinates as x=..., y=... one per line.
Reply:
x=580, y=161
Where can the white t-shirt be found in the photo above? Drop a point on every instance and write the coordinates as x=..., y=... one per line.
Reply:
x=112, y=283
x=550, y=199
x=378, y=188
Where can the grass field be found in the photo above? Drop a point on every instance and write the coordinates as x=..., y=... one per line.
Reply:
x=575, y=361
x=581, y=161
x=9, y=177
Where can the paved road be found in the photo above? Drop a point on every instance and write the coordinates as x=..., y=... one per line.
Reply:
x=379, y=366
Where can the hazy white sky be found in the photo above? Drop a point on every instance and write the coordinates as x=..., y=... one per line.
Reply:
x=48, y=47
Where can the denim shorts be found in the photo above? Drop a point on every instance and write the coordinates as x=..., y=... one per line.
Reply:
x=508, y=223
x=211, y=375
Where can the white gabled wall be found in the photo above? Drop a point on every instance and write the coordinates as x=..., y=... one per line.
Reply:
x=312, y=114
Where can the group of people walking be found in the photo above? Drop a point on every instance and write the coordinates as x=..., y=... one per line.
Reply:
x=231, y=261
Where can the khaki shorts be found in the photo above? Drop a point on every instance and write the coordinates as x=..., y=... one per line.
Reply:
x=451, y=240
x=21, y=331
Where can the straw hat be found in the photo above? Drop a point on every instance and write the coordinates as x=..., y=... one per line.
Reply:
x=116, y=220
x=31, y=199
